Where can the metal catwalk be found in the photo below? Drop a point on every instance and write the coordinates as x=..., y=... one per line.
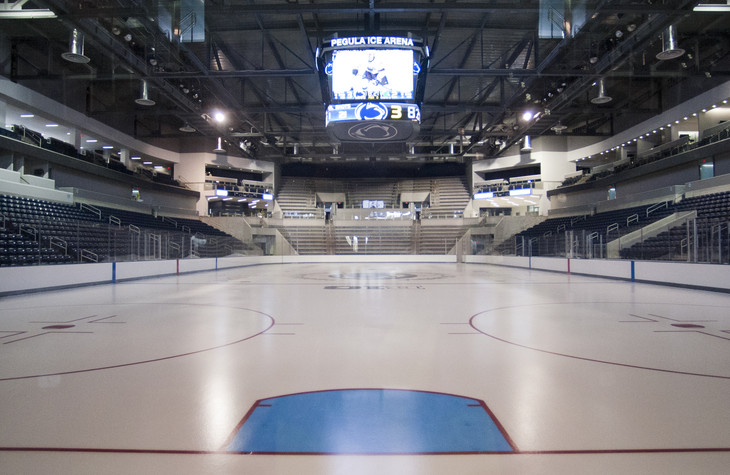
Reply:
x=366, y=368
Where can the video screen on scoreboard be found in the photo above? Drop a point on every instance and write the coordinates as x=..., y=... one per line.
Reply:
x=372, y=74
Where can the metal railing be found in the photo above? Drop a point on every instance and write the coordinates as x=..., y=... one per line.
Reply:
x=689, y=240
x=86, y=241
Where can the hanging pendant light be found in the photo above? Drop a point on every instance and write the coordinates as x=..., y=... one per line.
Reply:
x=559, y=128
x=75, y=53
x=219, y=148
x=144, y=99
x=670, y=49
x=526, y=144
x=187, y=128
x=602, y=97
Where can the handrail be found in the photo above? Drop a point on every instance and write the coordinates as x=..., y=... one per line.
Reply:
x=28, y=229
x=611, y=227
x=561, y=227
x=185, y=227
x=656, y=206
x=165, y=218
x=60, y=243
x=134, y=229
x=634, y=218
x=89, y=256
x=93, y=209
x=115, y=220
x=575, y=219
x=187, y=23
x=684, y=244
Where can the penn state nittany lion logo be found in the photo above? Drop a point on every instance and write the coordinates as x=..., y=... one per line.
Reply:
x=372, y=132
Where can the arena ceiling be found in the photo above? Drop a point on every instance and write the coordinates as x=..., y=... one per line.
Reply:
x=255, y=61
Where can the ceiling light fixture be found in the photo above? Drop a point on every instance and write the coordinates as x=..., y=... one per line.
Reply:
x=670, y=50
x=712, y=7
x=219, y=148
x=144, y=99
x=526, y=144
x=559, y=128
x=75, y=54
x=601, y=98
x=186, y=128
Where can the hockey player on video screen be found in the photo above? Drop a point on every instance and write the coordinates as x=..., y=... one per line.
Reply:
x=373, y=78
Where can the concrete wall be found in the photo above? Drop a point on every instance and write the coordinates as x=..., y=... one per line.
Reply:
x=13, y=183
x=191, y=170
x=236, y=226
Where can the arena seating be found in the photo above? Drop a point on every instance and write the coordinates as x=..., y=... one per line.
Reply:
x=606, y=226
x=449, y=196
x=713, y=211
x=43, y=232
x=660, y=152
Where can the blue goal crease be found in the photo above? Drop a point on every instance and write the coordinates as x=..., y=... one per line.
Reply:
x=369, y=421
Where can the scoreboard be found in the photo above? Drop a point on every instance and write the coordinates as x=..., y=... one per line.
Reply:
x=373, y=121
x=372, y=86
